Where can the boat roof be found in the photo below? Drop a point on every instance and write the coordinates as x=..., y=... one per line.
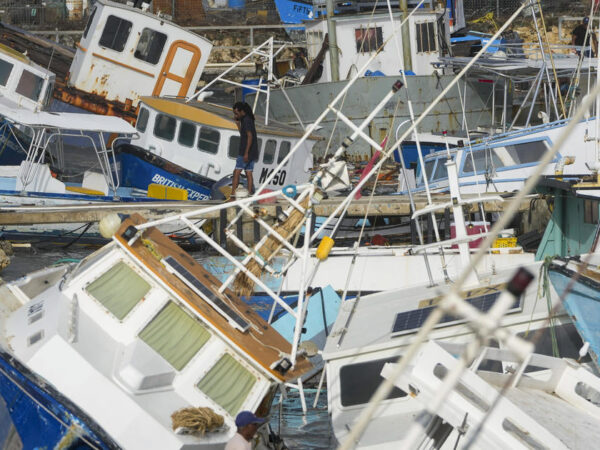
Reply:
x=22, y=57
x=217, y=116
x=65, y=121
x=261, y=342
x=160, y=17
x=512, y=65
x=388, y=319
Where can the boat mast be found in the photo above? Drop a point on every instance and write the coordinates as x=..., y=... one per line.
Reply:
x=334, y=63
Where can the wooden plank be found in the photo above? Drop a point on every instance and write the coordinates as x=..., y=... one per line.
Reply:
x=379, y=206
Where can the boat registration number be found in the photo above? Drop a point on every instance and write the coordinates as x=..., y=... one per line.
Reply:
x=278, y=179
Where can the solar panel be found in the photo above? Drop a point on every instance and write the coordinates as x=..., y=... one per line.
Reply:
x=412, y=320
x=209, y=296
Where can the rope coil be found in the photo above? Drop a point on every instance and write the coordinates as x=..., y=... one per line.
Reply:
x=196, y=420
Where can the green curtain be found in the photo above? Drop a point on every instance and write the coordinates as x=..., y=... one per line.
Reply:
x=119, y=289
x=228, y=384
x=175, y=335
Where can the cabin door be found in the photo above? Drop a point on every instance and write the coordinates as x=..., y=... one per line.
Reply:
x=178, y=70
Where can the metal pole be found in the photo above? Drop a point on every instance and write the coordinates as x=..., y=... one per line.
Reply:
x=407, y=60
x=334, y=63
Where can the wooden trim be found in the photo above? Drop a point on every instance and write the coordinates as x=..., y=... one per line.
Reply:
x=189, y=74
x=143, y=72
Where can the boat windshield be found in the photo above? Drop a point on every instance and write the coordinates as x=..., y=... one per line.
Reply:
x=358, y=382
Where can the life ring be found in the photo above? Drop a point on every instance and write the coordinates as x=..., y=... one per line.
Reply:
x=290, y=191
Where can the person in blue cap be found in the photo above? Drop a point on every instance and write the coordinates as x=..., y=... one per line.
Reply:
x=247, y=424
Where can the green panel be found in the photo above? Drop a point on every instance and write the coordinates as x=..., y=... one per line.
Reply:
x=228, y=384
x=175, y=335
x=567, y=234
x=119, y=289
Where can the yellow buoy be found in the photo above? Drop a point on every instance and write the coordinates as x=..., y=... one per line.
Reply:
x=324, y=248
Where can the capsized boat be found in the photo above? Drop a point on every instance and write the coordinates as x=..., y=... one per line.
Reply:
x=125, y=52
x=132, y=347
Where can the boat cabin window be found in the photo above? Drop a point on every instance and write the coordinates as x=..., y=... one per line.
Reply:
x=590, y=211
x=187, y=134
x=506, y=156
x=48, y=94
x=30, y=85
x=429, y=166
x=119, y=289
x=368, y=39
x=227, y=383
x=164, y=127
x=358, y=382
x=426, y=37
x=142, y=120
x=5, y=70
x=150, y=46
x=175, y=335
x=234, y=147
x=115, y=33
x=568, y=342
x=270, y=149
x=441, y=171
x=89, y=23
x=208, y=140
x=284, y=150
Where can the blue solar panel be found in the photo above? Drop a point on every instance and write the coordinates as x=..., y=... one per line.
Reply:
x=413, y=320
x=209, y=296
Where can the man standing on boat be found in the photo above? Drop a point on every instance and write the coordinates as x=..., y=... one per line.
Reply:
x=247, y=424
x=579, y=38
x=248, y=152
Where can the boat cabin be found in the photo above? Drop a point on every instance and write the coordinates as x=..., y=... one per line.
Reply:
x=360, y=35
x=127, y=52
x=204, y=139
x=24, y=84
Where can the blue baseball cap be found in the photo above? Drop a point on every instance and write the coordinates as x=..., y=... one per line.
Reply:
x=246, y=418
x=586, y=19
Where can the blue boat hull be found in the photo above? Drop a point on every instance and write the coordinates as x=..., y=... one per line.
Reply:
x=140, y=168
x=42, y=416
x=582, y=303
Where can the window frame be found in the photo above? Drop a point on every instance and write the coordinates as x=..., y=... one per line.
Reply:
x=364, y=42
x=429, y=36
x=281, y=151
x=179, y=128
x=149, y=46
x=112, y=45
x=39, y=87
x=137, y=122
x=163, y=307
x=218, y=142
x=342, y=376
x=257, y=376
x=156, y=121
x=466, y=159
x=100, y=304
x=12, y=66
x=264, y=155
